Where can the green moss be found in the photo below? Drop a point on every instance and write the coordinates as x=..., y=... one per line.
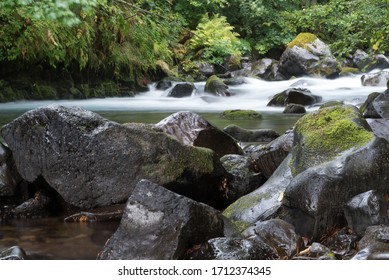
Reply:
x=241, y=115
x=347, y=71
x=43, y=91
x=244, y=203
x=323, y=134
x=331, y=103
x=213, y=84
x=302, y=39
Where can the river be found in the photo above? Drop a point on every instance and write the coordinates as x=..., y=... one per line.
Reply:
x=52, y=239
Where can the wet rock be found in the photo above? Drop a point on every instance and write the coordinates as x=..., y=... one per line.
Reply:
x=342, y=242
x=379, y=79
x=92, y=162
x=223, y=248
x=244, y=177
x=294, y=109
x=380, y=127
x=13, y=253
x=376, y=251
x=265, y=68
x=241, y=115
x=306, y=55
x=42, y=205
x=278, y=234
x=376, y=106
x=364, y=210
x=163, y=85
x=235, y=81
x=294, y=96
x=159, y=224
x=366, y=63
x=246, y=135
x=182, y=90
x=9, y=177
x=329, y=168
x=373, y=234
x=216, y=86
x=268, y=157
x=316, y=251
x=191, y=129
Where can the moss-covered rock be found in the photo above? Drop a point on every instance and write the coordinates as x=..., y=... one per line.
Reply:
x=302, y=40
x=241, y=115
x=216, y=86
x=324, y=134
x=349, y=71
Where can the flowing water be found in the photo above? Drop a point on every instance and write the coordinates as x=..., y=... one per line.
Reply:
x=52, y=239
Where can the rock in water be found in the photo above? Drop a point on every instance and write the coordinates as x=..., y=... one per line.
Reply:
x=159, y=224
x=91, y=161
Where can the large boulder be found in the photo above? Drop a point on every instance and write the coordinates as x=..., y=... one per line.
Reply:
x=91, y=161
x=306, y=55
x=380, y=127
x=299, y=96
x=376, y=105
x=216, y=86
x=161, y=225
x=191, y=129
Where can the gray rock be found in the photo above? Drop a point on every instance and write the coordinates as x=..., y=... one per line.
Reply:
x=373, y=234
x=13, y=253
x=376, y=106
x=364, y=210
x=294, y=96
x=247, y=135
x=191, y=129
x=182, y=90
x=164, y=85
x=294, y=109
x=216, y=86
x=91, y=161
x=380, y=127
x=376, y=251
x=265, y=68
x=161, y=225
x=278, y=234
x=9, y=177
x=361, y=59
x=379, y=79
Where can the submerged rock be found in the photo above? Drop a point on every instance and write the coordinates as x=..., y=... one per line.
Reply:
x=191, y=129
x=161, y=225
x=247, y=135
x=241, y=115
x=91, y=161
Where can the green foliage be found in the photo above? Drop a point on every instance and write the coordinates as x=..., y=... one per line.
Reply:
x=214, y=40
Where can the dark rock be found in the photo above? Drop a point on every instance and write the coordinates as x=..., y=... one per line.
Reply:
x=294, y=96
x=182, y=90
x=244, y=177
x=37, y=207
x=13, y=253
x=376, y=106
x=161, y=225
x=246, y=135
x=191, y=129
x=379, y=79
x=380, y=61
x=206, y=69
x=163, y=85
x=373, y=234
x=376, y=251
x=91, y=161
x=364, y=210
x=268, y=157
x=240, y=115
x=216, y=86
x=294, y=109
x=342, y=243
x=278, y=234
x=234, y=81
x=233, y=249
x=306, y=55
x=380, y=127
x=316, y=251
x=9, y=177
x=361, y=59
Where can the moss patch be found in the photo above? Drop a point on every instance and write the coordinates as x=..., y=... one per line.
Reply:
x=241, y=115
x=302, y=40
x=347, y=71
x=323, y=134
x=244, y=203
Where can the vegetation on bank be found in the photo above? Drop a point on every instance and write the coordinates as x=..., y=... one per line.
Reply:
x=80, y=42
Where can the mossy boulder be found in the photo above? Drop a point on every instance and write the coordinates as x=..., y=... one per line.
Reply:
x=307, y=55
x=216, y=86
x=326, y=133
x=241, y=115
x=349, y=71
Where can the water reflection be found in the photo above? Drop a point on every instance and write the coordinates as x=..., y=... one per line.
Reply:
x=52, y=239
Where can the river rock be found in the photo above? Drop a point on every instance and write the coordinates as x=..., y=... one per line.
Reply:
x=380, y=127
x=316, y=251
x=191, y=129
x=216, y=86
x=299, y=96
x=306, y=55
x=9, y=177
x=182, y=90
x=227, y=248
x=206, y=69
x=373, y=234
x=163, y=85
x=244, y=177
x=379, y=79
x=376, y=106
x=278, y=234
x=161, y=225
x=365, y=62
x=265, y=68
x=375, y=251
x=294, y=109
x=342, y=242
x=13, y=253
x=361, y=59
x=329, y=167
x=364, y=210
x=247, y=135
x=91, y=161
